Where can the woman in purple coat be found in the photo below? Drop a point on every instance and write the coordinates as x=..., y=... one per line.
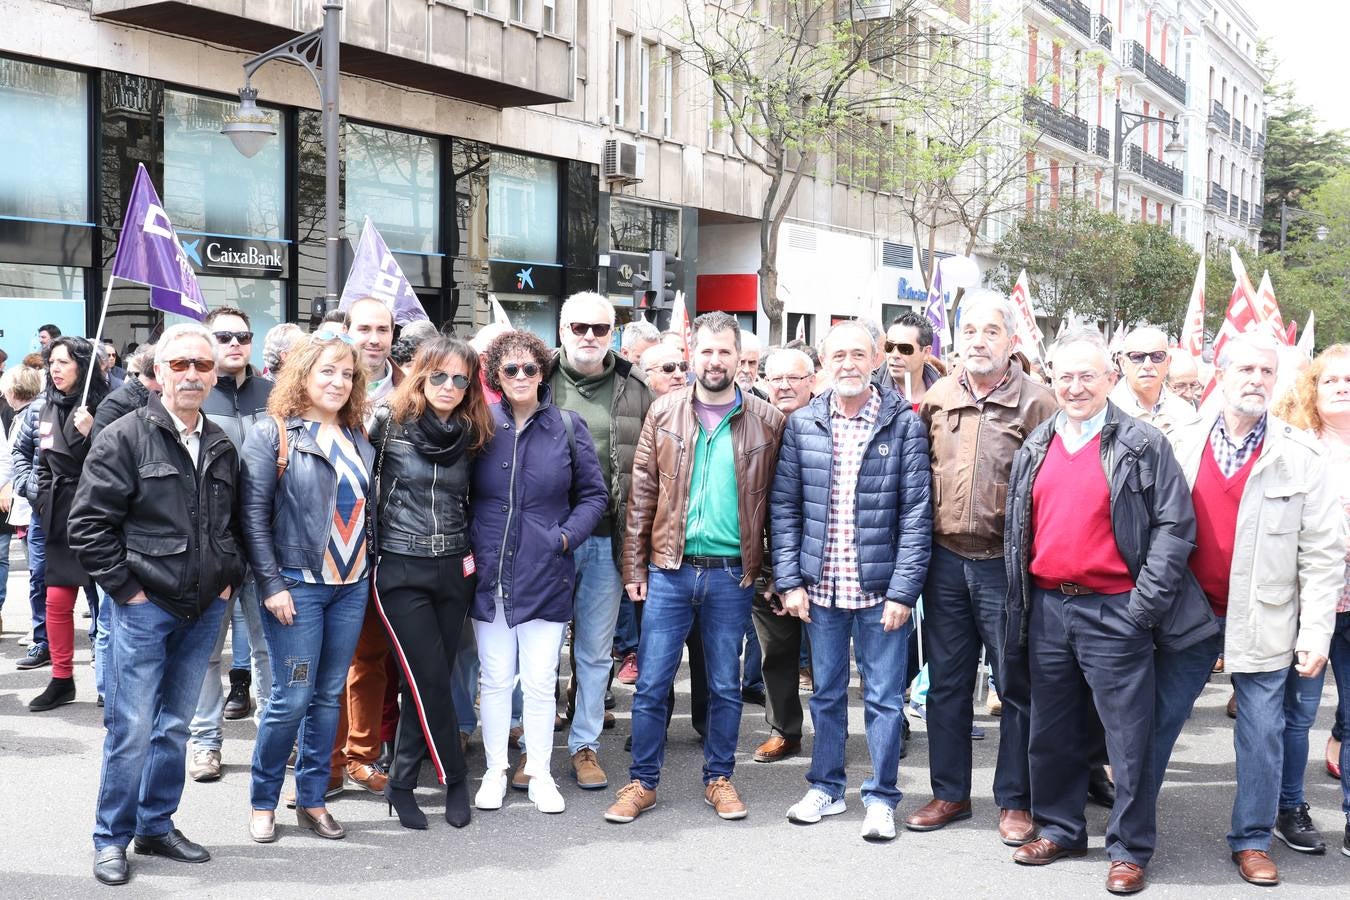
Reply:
x=537, y=494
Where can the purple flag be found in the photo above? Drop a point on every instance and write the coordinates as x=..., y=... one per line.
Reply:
x=148, y=253
x=375, y=273
x=936, y=310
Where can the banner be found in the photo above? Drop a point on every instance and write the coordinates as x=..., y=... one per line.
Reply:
x=148, y=253
x=1193, y=331
x=936, y=313
x=375, y=273
x=679, y=323
x=1242, y=315
x=1029, y=336
x=1268, y=310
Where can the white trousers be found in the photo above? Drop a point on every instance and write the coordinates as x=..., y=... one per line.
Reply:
x=530, y=649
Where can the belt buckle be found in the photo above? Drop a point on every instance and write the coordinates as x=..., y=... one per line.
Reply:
x=1069, y=589
x=438, y=544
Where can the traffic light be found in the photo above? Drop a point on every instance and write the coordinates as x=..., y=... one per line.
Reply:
x=641, y=296
x=662, y=279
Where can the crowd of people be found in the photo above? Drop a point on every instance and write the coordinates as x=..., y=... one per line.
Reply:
x=402, y=537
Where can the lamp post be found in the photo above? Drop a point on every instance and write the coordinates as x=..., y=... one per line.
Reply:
x=1293, y=212
x=249, y=128
x=1136, y=119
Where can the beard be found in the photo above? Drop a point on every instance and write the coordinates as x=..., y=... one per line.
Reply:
x=715, y=380
x=1252, y=405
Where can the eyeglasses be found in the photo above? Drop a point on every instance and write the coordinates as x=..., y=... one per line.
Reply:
x=669, y=368
x=436, y=379
x=512, y=370
x=224, y=337
x=788, y=380
x=903, y=349
x=1138, y=356
x=599, y=329
x=327, y=336
x=182, y=365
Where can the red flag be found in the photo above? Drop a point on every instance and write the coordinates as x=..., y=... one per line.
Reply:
x=1268, y=310
x=1241, y=317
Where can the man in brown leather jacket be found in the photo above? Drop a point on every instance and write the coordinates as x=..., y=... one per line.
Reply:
x=695, y=540
x=977, y=418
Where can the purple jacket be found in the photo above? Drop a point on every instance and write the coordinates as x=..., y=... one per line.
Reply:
x=524, y=488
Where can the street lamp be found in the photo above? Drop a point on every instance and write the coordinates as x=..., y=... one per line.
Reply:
x=1293, y=212
x=1174, y=146
x=249, y=128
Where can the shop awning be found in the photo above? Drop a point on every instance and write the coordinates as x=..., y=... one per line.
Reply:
x=728, y=293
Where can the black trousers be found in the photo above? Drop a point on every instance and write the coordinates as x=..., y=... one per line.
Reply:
x=780, y=639
x=423, y=602
x=1087, y=652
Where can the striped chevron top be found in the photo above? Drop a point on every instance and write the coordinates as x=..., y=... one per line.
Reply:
x=344, y=561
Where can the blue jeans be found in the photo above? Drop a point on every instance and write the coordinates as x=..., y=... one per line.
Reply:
x=102, y=635
x=1340, y=665
x=1302, y=696
x=309, y=669
x=1258, y=739
x=241, y=634
x=37, y=581
x=1179, y=678
x=723, y=608
x=881, y=663
x=752, y=670
x=597, y=609
x=208, y=731
x=5, y=537
x=153, y=675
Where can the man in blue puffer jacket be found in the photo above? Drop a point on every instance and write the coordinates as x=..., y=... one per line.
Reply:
x=852, y=523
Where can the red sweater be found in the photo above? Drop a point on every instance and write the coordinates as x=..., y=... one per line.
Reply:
x=1216, y=501
x=1072, y=536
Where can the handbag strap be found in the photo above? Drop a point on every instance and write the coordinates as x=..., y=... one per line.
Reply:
x=283, y=450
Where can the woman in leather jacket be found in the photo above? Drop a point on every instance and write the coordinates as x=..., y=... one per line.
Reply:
x=304, y=486
x=426, y=438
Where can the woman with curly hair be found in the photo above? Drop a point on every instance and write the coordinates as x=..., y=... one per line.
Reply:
x=304, y=484
x=427, y=436
x=537, y=494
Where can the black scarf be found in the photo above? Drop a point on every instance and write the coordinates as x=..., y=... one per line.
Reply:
x=441, y=442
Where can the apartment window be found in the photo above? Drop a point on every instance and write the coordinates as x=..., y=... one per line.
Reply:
x=620, y=77
x=480, y=5
x=518, y=10
x=644, y=86
x=550, y=15
x=668, y=95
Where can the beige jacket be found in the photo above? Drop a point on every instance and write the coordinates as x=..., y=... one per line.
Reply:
x=1289, y=556
x=1172, y=412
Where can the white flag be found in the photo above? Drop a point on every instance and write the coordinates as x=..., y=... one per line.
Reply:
x=1193, y=331
x=498, y=312
x=1306, y=343
x=1029, y=335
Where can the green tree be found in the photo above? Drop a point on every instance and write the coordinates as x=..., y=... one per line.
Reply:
x=1159, y=288
x=1300, y=156
x=1314, y=273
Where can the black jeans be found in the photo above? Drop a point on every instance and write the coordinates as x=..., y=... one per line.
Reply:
x=423, y=602
x=780, y=639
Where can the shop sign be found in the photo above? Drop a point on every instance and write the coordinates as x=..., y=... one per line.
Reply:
x=510, y=277
x=214, y=255
x=907, y=291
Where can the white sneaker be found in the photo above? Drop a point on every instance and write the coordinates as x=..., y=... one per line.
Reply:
x=543, y=793
x=879, y=824
x=492, y=791
x=810, y=809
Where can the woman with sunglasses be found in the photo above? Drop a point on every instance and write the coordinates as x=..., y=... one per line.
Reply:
x=537, y=494
x=427, y=436
x=63, y=443
x=307, y=528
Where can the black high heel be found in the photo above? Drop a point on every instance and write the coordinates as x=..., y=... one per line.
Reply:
x=457, y=804
x=403, y=803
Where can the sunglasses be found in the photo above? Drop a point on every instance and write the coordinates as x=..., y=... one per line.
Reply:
x=224, y=337
x=1138, y=356
x=201, y=365
x=904, y=349
x=599, y=329
x=327, y=336
x=512, y=370
x=436, y=379
x=669, y=368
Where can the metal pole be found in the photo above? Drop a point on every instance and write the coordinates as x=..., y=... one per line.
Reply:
x=1117, y=145
x=1284, y=208
x=332, y=12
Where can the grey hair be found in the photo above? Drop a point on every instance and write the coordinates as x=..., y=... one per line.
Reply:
x=1090, y=336
x=564, y=316
x=174, y=332
x=717, y=322
x=640, y=331
x=986, y=297
x=143, y=358
x=791, y=354
x=280, y=338
x=1149, y=329
x=751, y=341
x=867, y=327
x=1255, y=340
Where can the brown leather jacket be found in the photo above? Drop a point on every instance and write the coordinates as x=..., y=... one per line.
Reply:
x=658, y=502
x=972, y=445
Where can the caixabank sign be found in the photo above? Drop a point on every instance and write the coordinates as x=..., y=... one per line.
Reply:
x=237, y=256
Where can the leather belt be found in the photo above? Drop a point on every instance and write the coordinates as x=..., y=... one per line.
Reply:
x=712, y=562
x=1069, y=589
x=437, y=544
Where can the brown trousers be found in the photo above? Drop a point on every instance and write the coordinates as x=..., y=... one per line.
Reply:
x=361, y=706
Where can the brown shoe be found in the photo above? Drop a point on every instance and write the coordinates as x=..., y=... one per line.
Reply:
x=324, y=825
x=1124, y=877
x=367, y=776
x=1042, y=852
x=1015, y=827
x=633, y=800
x=1256, y=867
x=519, y=780
x=936, y=813
x=1232, y=705
x=515, y=736
x=721, y=795
x=777, y=747
x=586, y=770
x=1218, y=664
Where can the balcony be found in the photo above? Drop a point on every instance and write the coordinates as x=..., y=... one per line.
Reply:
x=1246, y=137
x=1101, y=29
x=1160, y=173
x=1218, y=197
x=1258, y=214
x=429, y=45
x=1165, y=79
x=1072, y=12
x=1055, y=122
x=1101, y=142
x=1259, y=146
x=1246, y=215
x=1233, y=205
x=1236, y=133
x=1219, y=118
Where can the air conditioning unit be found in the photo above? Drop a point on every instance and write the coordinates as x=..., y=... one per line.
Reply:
x=624, y=161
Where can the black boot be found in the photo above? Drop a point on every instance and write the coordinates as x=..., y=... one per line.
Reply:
x=386, y=760
x=402, y=802
x=59, y=692
x=457, y=804
x=238, y=704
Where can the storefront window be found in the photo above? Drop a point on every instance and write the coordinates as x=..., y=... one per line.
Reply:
x=523, y=208
x=395, y=178
x=533, y=313
x=637, y=228
x=44, y=143
x=33, y=296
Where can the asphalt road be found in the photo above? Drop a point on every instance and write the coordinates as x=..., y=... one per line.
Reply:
x=49, y=767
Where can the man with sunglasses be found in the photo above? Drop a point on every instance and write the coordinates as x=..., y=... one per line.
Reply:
x=665, y=368
x=1143, y=392
x=908, y=346
x=611, y=396
x=237, y=402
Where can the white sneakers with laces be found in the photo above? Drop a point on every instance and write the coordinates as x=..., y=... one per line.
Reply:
x=543, y=792
x=816, y=804
x=879, y=823
x=493, y=790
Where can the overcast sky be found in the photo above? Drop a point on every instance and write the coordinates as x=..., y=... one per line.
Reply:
x=1308, y=37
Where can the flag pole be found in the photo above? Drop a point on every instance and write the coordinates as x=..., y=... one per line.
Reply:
x=98, y=333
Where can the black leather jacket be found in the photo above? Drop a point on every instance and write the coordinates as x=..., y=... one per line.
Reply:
x=144, y=519
x=423, y=506
x=287, y=521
